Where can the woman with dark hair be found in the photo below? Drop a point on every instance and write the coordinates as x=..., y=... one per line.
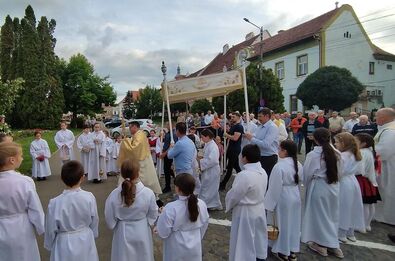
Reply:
x=209, y=165
x=283, y=197
x=248, y=234
x=321, y=179
x=130, y=210
x=183, y=223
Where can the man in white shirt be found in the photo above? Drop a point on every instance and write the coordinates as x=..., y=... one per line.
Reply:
x=208, y=118
x=351, y=122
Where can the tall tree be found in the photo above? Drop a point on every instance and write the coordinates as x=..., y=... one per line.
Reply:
x=200, y=106
x=330, y=87
x=149, y=102
x=6, y=48
x=129, y=108
x=10, y=91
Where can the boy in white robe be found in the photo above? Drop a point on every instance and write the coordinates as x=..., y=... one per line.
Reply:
x=39, y=150
x=97, y=156
x=72, y=220
x=112, y=162
x=21, y=213
x=209, y=165
x=109, y=144
x=248, y=235
x=182, y=231
x=283, y=197
x=84, y=145
x=130, y=210
x=251, y=127
x=64, y=140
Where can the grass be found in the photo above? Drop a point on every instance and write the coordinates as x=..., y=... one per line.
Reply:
x=25, y=138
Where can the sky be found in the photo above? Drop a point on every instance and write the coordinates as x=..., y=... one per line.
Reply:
x=128, y=39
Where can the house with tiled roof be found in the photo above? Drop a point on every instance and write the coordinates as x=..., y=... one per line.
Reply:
x=334, y=38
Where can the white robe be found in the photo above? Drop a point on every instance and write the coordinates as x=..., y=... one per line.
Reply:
x=321, y=213
x=182, y=239
x=351, y=206
x=65, y=138
x=248, y=234
x=385, y=210
x=368, y=170
x=21, y=214
x=132, y=236
x=112, y=162
x=109, y=144
x=195, y=173
x=282, y=133
x=84, y=142
x=159, y=163
x=244, y=141
x=209, y=165
x=283, y=197
x=72, y=226
x=97, y=156
x=38, y=148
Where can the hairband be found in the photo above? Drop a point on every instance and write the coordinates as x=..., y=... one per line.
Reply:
x=128, y=179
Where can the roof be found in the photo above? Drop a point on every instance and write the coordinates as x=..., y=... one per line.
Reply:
x=135, y=96
x=380, y=54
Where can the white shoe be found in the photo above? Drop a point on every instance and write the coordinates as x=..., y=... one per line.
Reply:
x=352, y=239
x=368, y=228
x=343, y=240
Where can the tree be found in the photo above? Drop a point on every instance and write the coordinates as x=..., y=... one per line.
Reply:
x=9, y=93
x=330, y=87
x=235, y=101
x=202, y=105
x=129, y=108
x=149, y=102
x=6, y=48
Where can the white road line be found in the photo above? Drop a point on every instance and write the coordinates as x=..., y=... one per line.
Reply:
x=359, y=243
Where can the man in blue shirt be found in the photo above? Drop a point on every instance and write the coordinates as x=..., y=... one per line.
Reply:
x=266, y=137
x=167, y=163
x=183, y=152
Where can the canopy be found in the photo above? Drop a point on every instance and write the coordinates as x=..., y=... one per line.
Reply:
x=211, y=85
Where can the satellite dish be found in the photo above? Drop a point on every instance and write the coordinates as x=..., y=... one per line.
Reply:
x=242, y=56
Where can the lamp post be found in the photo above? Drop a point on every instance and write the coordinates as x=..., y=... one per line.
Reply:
x=260, y=52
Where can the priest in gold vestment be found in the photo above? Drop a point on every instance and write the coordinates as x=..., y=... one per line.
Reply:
x=137, y=148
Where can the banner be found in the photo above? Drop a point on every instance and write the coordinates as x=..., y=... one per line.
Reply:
x=202, y=87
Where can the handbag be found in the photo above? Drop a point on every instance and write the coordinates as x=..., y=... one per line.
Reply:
x=272, y=230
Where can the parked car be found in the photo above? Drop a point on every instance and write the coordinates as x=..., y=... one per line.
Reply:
x=113, y=123
x=145, y=124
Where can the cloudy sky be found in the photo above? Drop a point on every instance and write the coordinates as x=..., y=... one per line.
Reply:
x=128, y=39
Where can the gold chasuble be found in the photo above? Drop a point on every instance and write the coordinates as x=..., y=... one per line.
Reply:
x=137, y=148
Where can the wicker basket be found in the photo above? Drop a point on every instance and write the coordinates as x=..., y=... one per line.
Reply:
x=272, y=230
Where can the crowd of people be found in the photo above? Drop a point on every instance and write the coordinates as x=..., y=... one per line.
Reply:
x=347, y=173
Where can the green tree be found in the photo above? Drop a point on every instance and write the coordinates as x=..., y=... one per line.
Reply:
x=129, y=108
x=330, y=87
x=10, y=91
x=149, y=102
x=235, y=101
x=6, y=48
x=202, y=105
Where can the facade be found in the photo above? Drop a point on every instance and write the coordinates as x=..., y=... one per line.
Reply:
x=335, y=38
x=116, y=110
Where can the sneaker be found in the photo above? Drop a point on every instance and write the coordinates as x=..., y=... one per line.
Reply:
x=343, y=240
x=352, y=239
x=293, y=257
x=316, y=248
x=280, y=256
x=337, y=252
x=368, y=228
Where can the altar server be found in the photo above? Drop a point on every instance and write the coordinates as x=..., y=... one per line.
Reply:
x=112, y=162
x=109, y=144
x=64, y=140
x=84, y=145
x=97, y=156
x=39, y=150
x=72, y=220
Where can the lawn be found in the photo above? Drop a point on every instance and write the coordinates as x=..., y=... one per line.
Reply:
x=25, y=137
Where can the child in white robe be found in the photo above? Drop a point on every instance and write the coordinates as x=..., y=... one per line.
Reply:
x=209, y=165
x=283, y=197
x=248, y=234
x=64, y=140
x=367, y=180
x=130, y=210
x=72, y=220
x=321, y=213
x=21, y=213
x=158, y=149
x=183, y=223
x=97, y=156
x=109, y=144
x=84, y=145
x=351, y=206
x=39, y=150
x=112, y=162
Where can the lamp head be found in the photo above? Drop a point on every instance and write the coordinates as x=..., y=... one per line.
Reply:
x=163, y=68
x=245, y=19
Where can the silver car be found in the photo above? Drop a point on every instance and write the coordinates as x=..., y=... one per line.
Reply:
x=145, y=124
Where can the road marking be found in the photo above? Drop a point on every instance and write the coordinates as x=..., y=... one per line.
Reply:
x=359, y=243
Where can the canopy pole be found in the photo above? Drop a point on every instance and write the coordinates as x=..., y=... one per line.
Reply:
x=245, y=64
x=186, y=114
x=164, y=69
x=159, y=166
x=225, y=147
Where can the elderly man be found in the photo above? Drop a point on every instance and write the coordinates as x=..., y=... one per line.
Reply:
x=208, y=118
x=308, y=128
x=364, y=126
x=336, y=124
x=322, y=120
x=351, y=122
x=385, y=144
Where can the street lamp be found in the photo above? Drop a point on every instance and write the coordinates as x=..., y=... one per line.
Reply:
x=260, y=52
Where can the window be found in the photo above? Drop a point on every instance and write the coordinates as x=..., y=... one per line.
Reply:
x=280, y=70
x=371, y=67
x=389, y=66
x=293, y=102
x=301, y=63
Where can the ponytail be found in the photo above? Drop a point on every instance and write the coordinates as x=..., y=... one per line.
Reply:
x=296, y=176
x=130, y=172
x=292, y=149
x=186, y=184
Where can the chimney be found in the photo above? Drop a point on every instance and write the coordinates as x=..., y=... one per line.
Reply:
x=249, y=35
x=337, y=5
x=225, y=49
x=281, y=31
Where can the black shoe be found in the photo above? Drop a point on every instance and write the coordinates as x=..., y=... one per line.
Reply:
x=391, y=237
x=222, y=187
x=44, y=178
x=159, y=203
x=39, y=179
x=97, y=181
x=166, y=190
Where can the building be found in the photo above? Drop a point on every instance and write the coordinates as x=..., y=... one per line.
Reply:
x=334, y=38
x=116, y=110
